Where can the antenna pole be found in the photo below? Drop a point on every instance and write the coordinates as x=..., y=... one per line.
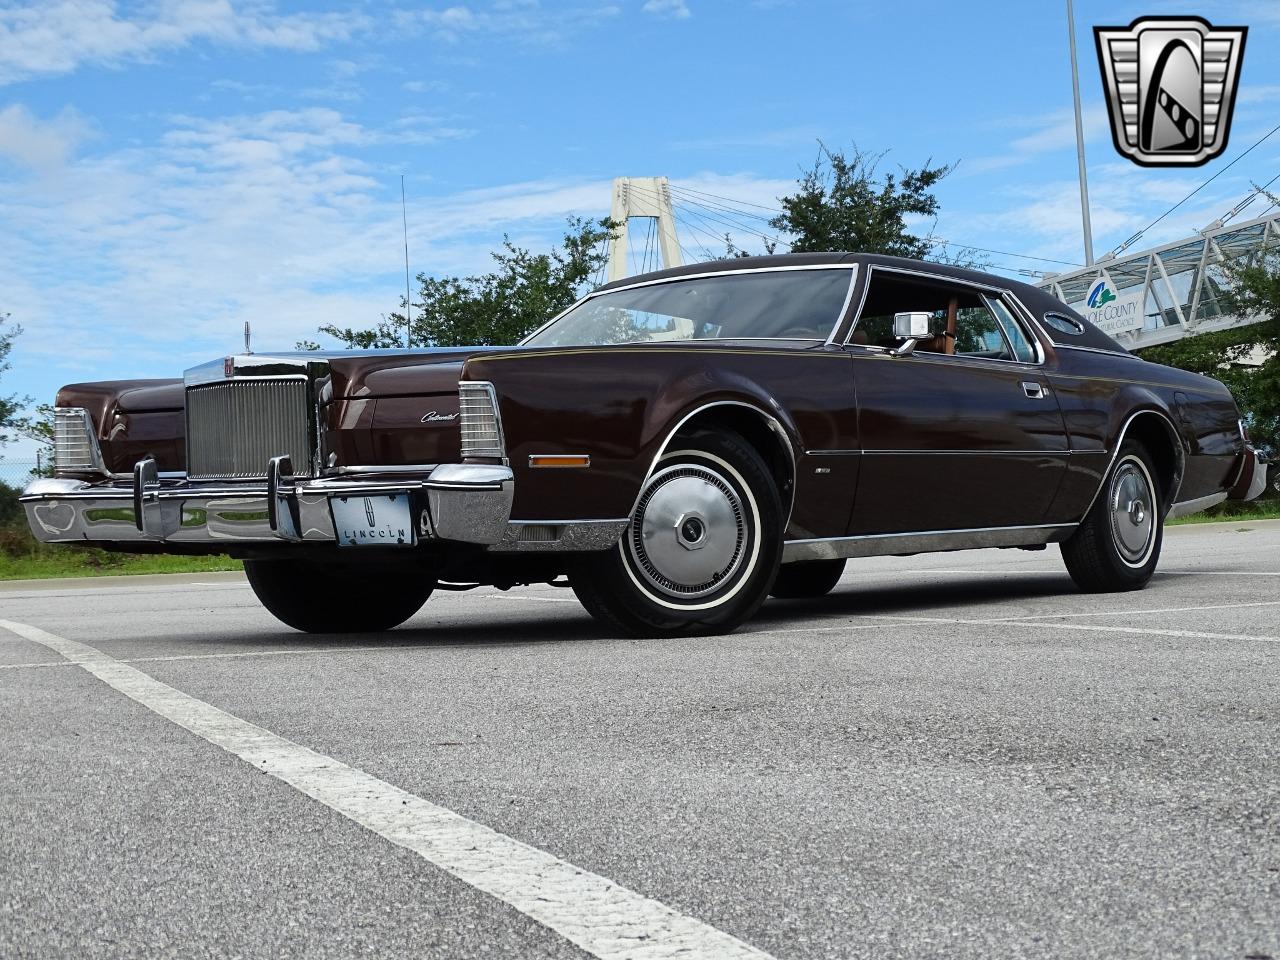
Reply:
x=408, y=318
x=1084, y=183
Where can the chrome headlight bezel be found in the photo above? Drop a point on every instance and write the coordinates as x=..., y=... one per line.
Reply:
x=76, y=450
x=480, y=421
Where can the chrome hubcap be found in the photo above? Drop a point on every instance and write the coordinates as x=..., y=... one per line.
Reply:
x=689, y=531
x=1133, y=523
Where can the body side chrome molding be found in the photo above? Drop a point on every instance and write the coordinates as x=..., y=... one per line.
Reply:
x=1105, y=353
x=930, y=541
x=938, y=453
x=967, y=453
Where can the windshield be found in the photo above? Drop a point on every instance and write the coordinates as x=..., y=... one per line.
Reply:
x=779, y=304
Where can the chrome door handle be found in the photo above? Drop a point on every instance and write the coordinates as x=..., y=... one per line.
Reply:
x=1034, y=390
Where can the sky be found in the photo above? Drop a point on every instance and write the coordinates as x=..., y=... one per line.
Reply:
x=170, y=169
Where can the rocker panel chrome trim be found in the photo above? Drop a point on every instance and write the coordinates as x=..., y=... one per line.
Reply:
x=932, y=541
x=1188, y=507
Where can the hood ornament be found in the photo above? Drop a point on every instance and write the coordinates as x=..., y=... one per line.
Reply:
x=248, y=336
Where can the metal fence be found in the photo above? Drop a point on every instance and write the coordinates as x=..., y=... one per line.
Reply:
x=18, y=473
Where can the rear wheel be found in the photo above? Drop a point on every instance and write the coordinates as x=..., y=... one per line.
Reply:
x=317, y=597
x=807, y=580
x=1117, y=546
x=702, y=548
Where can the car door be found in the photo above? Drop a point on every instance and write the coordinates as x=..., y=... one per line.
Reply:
x=961, y=432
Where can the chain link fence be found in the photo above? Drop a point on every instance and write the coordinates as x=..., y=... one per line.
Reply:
x=18, y=473
x=14, y=475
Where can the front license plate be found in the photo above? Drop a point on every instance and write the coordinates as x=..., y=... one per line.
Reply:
x=378, y=520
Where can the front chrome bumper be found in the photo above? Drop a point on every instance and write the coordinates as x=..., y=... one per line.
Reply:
x=469, y=503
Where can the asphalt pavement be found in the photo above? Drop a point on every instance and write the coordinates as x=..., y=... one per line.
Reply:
x=955, y=755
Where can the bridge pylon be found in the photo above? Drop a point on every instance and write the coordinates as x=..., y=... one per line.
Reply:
x=642, y=197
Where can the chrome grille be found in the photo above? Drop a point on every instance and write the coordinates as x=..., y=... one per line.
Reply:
x=75, y=448
x=480, y=423
x=235, y=427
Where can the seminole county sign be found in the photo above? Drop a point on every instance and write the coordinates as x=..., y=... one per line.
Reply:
x=1112, y=313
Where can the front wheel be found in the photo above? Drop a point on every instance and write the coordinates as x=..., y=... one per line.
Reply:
x=339, y=597
x=1117, y=545
x=702, y=548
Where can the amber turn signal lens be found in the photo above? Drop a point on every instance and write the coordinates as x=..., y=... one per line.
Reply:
x=558, y=460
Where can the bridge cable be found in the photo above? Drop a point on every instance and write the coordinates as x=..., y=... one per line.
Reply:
x=1132, y=239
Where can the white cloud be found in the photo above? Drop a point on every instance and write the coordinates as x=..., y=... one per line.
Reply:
x=523, y=20
x=40, y=145
x=57, y=37
x=1056, y=131
x=424, y=86
x=783, y=137
x=1044, y=220
x=1265, y=93
x=272, y=217
x=151, y=258
x=672, y=9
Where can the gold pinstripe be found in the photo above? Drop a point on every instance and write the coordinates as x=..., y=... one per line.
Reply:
x=840, y=355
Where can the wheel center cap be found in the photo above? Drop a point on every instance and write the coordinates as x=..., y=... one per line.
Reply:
x=691, y=531
x=1137, y=512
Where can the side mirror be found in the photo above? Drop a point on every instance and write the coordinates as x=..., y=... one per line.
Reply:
x=912, y=326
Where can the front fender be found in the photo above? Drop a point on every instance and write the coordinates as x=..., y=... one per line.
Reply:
x=621, y=406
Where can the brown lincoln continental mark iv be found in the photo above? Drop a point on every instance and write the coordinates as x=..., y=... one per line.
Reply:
x=679, y=445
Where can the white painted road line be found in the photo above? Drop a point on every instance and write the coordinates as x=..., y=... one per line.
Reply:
x=1133, y=613
x=1048, y=624
x=522, y=596
x=1218, y=573
x=596, y=914
x=303, y=651
x=1149, y=631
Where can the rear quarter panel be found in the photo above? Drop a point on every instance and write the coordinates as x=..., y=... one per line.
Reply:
x=1099, y=392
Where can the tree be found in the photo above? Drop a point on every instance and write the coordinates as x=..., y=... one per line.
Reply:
x=10, y=406
x=524, y=292
x=1253, y=288
x=844, y=203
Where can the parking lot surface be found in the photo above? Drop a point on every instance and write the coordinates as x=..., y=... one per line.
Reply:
x=952, y=755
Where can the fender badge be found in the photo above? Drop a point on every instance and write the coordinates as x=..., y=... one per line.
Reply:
x=432, y=417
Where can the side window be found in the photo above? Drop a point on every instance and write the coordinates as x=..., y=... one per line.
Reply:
x=978, y=334
x=1023, y=349
x=965, y=322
